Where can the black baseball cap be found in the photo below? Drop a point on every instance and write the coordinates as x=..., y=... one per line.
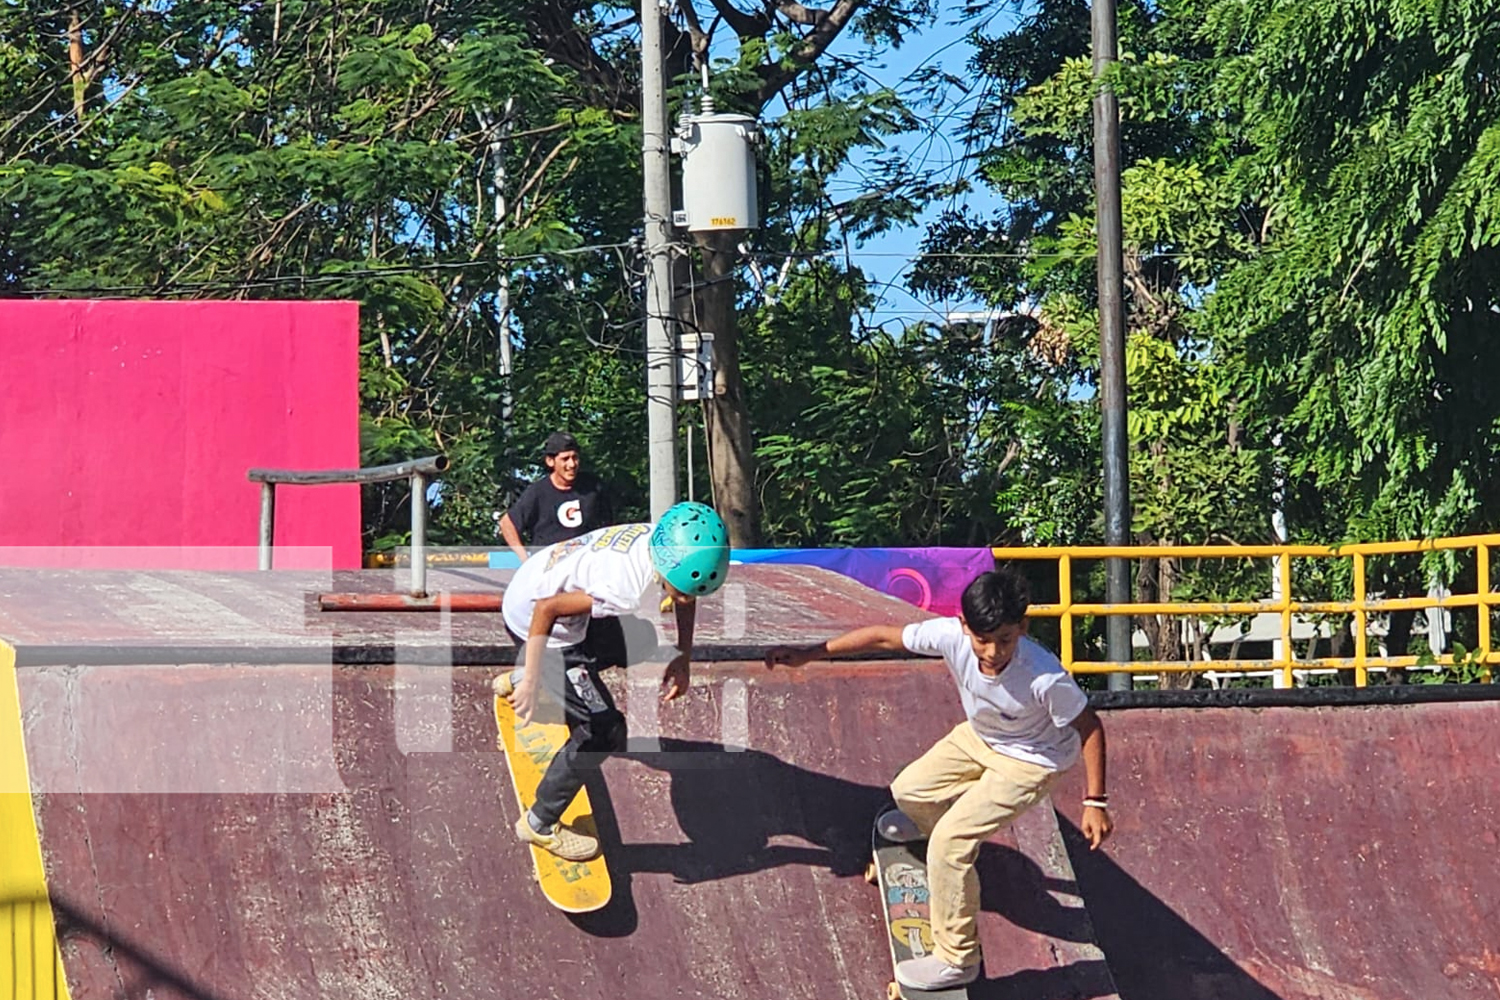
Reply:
x=559, y=442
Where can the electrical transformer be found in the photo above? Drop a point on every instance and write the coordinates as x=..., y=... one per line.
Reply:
x=718, y=171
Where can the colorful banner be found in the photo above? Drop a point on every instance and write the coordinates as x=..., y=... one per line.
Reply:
x=930, y=578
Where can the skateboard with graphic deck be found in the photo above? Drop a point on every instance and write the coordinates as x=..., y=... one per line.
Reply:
x=900, y=872
x=571, y=886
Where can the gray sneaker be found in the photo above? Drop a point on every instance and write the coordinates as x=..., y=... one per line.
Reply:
x=564, y=841
x=932, y=973
x=505, y=683
x=899, y=828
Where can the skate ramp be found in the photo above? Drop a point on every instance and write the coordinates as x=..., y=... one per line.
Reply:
x=239, y=796
x=738, y=870
x=236, y=795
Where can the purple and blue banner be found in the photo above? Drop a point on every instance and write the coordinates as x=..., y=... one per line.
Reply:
x=933, y=579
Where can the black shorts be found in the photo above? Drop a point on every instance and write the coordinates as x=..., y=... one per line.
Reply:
x=603, y=646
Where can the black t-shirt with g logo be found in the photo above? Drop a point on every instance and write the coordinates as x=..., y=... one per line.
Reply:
x=544, y=514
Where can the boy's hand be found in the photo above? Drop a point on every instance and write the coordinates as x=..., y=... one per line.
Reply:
x=523, y=700
x=787, y=656
x=1096, y=826
x=675, y=680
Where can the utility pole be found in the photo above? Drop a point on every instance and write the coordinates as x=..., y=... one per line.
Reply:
x=499, y=129
x=1112, y=339
x=661, y=355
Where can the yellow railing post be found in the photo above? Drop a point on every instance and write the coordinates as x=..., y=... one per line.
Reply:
x=1482, y=551
x=1359, y=620
x=1065, y=601
x=1286, y=605
x=1284, y=572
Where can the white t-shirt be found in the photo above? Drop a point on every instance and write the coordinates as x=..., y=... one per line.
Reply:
x=612, y=565
x=1023, y=712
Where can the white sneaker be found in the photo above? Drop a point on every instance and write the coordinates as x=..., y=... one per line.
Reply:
x=932, y=973
x=899, y=828
x=563, y=841
x=505, y=683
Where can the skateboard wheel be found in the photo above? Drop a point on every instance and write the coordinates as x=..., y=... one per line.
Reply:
x=872, y=875
x=892, y=990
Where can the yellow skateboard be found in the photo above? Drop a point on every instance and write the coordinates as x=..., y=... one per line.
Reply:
x=571, y=886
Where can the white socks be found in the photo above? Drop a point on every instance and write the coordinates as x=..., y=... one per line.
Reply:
x=537, y=824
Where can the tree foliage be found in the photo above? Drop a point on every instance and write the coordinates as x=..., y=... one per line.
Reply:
x=468, y=174
x=1310, y=209
x=1365, y=333
x=222, y=150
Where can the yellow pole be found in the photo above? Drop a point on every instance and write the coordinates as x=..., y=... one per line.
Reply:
x=1359, y=620
x=1065, y=602
x=1284, y=570
x=1483, y=552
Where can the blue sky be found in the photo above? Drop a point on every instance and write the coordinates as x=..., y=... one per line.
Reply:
x=889, y=256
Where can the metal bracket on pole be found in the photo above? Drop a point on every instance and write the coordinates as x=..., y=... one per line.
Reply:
x=695, y=366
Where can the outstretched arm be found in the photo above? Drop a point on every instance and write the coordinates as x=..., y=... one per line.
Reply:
x=1096, y=824
x=870, y=638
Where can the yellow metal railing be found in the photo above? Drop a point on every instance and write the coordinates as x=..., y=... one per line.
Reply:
x=1361, y=606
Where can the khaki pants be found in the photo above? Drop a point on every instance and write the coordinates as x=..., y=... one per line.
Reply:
x=959, y=793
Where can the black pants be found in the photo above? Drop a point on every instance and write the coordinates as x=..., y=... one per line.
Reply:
x=596, y=728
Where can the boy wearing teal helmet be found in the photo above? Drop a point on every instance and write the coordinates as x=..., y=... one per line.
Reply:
x=547, y=608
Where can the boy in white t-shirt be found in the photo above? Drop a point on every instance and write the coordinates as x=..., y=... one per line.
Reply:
x=547, y=609
x=1028, y=722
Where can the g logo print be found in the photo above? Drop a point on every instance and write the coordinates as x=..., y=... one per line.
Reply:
x=570, y=514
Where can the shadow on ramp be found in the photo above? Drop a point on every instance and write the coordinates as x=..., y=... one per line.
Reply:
x=1153, y=953
x=1041, y=948
x=1014, y=887
x=137, y=971
x=1079, y=981
x=731, y=803
x=734, y=807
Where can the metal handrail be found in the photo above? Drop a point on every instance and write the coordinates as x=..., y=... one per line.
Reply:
x=419, y=470
x=1360, y=606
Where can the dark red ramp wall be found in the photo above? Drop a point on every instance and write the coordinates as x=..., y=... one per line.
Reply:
x=738, y=872
x=1330, y=853
x=278, y=829
x=133, y=423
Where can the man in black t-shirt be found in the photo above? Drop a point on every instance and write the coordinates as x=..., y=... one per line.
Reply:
x=563, y=504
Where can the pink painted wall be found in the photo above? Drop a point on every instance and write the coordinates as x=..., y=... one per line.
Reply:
x=132, y=424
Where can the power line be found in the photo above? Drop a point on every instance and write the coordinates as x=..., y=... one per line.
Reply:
x=602, y=249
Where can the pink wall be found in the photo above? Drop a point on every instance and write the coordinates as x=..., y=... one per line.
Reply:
x=133, y=424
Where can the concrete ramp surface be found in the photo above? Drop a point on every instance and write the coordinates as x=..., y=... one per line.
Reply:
x=216, y=823
x=1333, y=852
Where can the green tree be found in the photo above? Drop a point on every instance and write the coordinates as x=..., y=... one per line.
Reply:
x=1366, y=328
x=1195, y=475
x=469, y=175
x=866, y=437
x=763, y=54
x=304, y=149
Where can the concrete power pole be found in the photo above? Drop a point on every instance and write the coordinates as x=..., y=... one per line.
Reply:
x=499, y=128
x=1111, y=276
x=661, y=358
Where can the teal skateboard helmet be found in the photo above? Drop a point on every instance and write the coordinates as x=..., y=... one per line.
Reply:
x=690, y=548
